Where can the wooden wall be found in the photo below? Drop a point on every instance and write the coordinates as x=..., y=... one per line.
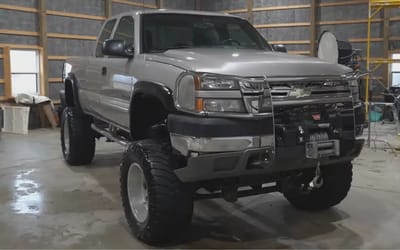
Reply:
x=59, y=28
x=298, y=24
x=63, y=28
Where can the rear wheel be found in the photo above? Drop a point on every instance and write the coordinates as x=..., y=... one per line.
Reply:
x=336, y=183
x=156, y=205
x=77, y=138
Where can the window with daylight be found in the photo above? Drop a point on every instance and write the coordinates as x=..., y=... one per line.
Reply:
x=396, y=71
x=24, y=72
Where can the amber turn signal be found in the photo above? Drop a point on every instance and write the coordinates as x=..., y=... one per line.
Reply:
x=199, y=104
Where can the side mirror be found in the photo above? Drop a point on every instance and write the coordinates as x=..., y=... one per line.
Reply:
x=118, y=48
x=279, y=48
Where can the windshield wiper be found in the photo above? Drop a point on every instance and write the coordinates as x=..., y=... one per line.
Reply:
x=157, y=50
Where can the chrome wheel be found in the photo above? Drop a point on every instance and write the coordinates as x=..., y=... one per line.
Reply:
x=66, y=136
x=138, y=192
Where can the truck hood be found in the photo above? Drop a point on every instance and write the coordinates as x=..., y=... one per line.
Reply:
x=247, y=63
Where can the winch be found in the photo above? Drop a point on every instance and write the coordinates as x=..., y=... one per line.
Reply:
x=320, y=146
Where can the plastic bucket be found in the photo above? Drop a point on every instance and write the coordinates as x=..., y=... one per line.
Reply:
x=16, y=119
x=375, y=116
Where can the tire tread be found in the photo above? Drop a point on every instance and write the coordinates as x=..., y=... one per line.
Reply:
x=81, y=137
x=337, y=183
x=170, y=206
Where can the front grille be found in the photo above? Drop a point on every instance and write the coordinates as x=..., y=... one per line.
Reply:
x=292, y=90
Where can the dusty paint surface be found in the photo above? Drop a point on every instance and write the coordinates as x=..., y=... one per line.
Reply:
x=46, y=204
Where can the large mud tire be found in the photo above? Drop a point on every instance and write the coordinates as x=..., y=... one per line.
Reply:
x=156, y=204
x=336, y=185
x=78, y=142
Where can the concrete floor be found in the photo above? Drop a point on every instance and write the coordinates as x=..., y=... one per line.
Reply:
x=46, y=204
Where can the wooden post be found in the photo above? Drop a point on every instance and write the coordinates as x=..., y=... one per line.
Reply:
x=160, y=4
x=197, y=4
x=43, y=43
x=7, y=72
x=313, y=27
x=250, y=16
x=386, y=46
x=107, y=8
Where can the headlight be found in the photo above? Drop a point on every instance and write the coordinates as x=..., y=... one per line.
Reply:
x=212, y=82
x=210, y=93
x=185, y=94
x=353, y=80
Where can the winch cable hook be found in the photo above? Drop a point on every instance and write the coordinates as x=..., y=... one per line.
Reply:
x=317, y=181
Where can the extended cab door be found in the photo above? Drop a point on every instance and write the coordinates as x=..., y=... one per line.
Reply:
x=90, y=91
x=115, y=93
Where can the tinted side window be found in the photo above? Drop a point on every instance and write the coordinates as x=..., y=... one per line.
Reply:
x=125, y=30
x=105, y=34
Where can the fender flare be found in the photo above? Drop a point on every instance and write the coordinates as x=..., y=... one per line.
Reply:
x=71, y=85
x=154, y=90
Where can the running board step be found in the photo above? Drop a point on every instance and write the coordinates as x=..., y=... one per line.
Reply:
x=121, y=141
x=242, y=193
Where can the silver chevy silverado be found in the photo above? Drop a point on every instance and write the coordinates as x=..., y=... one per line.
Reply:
x=206, y=108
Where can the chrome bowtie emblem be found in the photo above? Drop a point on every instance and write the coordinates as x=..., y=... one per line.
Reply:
x=329, y=84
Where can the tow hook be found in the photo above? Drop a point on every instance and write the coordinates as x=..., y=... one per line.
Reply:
x=317, y=181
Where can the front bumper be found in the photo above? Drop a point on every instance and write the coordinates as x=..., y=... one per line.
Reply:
x=258, y=162
x=192, y=134
x=187, y=145
x=225, y=165
x=218, y=148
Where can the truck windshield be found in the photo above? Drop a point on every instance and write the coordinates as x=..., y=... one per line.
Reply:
x=161, y=32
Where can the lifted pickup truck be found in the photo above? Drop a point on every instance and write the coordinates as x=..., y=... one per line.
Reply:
x=206, y=108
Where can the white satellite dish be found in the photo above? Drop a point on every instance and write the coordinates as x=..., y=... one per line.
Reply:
x=328, y=47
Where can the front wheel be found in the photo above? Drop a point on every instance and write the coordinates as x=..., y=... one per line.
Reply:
x=157, y=206
x=336, y=183
x=77, y=138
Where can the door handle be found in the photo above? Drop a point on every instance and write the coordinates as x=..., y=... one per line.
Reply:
x=104, y=71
